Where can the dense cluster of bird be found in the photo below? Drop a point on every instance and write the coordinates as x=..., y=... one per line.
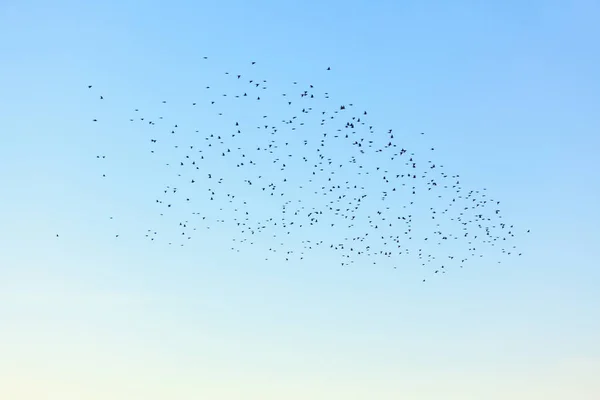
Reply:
x=298, y=170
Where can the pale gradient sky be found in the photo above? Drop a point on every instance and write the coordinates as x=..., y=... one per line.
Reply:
x=509, y=94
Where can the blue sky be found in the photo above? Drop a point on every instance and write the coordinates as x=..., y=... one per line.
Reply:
x=507, y=93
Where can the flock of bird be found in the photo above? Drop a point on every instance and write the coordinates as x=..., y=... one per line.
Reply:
x=296, y=170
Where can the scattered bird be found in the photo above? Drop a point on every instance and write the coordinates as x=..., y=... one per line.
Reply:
x=319, y=175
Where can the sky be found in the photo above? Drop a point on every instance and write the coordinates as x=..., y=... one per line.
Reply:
x=508, y=94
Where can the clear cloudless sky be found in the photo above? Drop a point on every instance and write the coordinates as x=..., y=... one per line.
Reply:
x=507, y=91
